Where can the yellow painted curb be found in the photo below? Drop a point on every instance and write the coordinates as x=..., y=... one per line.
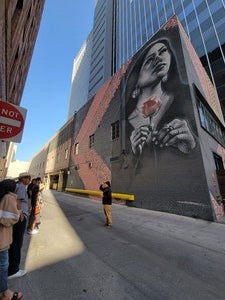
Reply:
x=97, y=193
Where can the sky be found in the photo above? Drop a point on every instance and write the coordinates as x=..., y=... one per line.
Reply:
x=64, y=27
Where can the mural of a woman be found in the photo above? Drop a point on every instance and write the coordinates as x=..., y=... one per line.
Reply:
x=153, y=96
x=161, y=136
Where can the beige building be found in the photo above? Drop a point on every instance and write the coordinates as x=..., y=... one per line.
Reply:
x=51, y=163
x=19, y=25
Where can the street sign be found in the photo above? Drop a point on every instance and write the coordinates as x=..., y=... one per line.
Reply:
x=12, y=120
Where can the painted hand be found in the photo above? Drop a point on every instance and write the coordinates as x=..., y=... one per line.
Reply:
x=138, y=139
x=176, y=134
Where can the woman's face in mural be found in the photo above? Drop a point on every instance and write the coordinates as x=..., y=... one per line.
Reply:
x=155, y=66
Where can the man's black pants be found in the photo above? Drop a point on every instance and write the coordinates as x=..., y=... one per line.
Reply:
x=15, y=247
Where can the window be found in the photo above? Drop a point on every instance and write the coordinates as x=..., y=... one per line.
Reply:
x=91, y=141
x=209, y=120
x=115, y=130
x=16, y=15
x=66, y=153
x=210, y=124
x=76, y=148
x=218, y=162
x=19, y=4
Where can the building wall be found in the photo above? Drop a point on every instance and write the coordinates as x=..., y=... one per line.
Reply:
x=16, y=167
x=58, y=157
x=172, y=169
x=20, y=28
x=38, y=162
x=92, y=164
x=19, y=25
x=52, y=162
x=209, y=121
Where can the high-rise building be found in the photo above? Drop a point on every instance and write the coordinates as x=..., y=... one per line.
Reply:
x=203, y=21
x=102, y=45
x=80, y=77
x=94, y=64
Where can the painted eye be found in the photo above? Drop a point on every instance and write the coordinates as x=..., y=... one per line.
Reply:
x=163, y=50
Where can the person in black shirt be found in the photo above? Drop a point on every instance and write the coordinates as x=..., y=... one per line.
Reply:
x=105, y=187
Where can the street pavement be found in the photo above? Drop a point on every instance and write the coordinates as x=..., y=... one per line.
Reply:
x=145, y=255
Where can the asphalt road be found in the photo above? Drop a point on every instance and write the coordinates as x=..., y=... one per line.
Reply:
x=145, y=255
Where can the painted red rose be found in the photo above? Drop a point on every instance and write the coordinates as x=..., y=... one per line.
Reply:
x=150, y=107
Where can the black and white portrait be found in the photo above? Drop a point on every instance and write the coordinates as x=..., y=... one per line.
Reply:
x=155, y=102
x=161, y=147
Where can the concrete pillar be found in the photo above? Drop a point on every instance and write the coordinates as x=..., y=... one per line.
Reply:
x=47, y=183
x=60, y=182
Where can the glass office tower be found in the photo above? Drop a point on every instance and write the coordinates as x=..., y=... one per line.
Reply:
x=102, y=37
x=203, y=20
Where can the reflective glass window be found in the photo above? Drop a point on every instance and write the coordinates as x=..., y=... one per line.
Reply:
x=143, y=20
x=181, y=18
x=211, y=44
x=215, y=5
x=179, y=11
x=221, y=92
x=207, y=26
x=168, y=9
x=155, y=17
x=221, y=33
x=195, y=34
x=190, y=16
x=201, y=8
x=218, y=15
x=138, y=25
x=161, y=12
x=148, y=18
x=188, y=6
x=176, y=4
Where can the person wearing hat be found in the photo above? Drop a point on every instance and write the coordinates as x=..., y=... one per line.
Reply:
x=19, y=228
x=105, y=187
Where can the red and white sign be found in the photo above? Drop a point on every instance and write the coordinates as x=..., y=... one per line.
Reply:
x=12, y=120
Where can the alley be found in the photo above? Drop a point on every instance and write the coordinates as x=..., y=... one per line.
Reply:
x=145, y=255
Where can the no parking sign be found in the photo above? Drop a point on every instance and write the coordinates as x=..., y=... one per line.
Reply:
x=12, y=119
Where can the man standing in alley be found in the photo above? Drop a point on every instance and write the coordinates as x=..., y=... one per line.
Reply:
x=105, y=187
x=19, y=228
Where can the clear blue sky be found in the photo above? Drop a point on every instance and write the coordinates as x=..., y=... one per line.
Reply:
x=64, y=27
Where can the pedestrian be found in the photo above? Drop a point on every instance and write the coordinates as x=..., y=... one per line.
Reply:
x=29, y=192
x=40, y=191
x=34, y=217
x=19, y=228
x=105, y=187
x=9, y=215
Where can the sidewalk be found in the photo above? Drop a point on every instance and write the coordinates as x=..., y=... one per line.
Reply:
x=74, y=257
x=221, y=221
